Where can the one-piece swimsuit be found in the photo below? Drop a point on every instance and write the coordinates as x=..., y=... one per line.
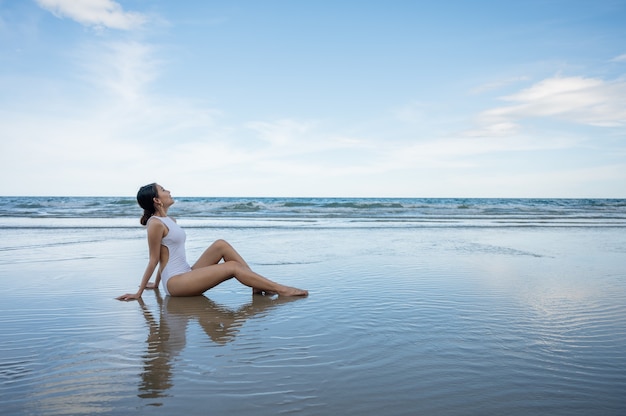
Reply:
x=175, y=243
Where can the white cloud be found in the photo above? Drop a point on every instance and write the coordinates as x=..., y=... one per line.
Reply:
x=577, y=100
x=281, y=132
x=95, y=13
x=118, y=133
x=495, y=129
x=620, y=58
x=461, y=152
x=413, y=112
x=123, y=69
x=583, y=182
x=498, y=84
x=290, y=136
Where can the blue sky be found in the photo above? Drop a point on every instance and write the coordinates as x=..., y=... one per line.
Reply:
x=314, y=98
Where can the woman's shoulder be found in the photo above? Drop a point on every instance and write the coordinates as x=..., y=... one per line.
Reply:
x=161, y=220
x=156, y=227
x=155, y=221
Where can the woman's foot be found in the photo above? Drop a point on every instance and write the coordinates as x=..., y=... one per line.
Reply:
x=291, y=291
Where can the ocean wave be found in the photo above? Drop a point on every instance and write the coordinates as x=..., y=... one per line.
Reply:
x=326, y=212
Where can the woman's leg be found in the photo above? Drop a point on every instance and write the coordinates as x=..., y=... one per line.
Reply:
x=218, y=251
x=199, y=280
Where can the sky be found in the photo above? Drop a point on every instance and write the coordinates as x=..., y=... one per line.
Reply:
x=327, y=98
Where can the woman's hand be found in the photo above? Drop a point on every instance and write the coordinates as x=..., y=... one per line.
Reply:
x=152, y=285
x=129, y=296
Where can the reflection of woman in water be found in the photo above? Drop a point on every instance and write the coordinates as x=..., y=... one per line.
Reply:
x=166, y=243
x=167, y=336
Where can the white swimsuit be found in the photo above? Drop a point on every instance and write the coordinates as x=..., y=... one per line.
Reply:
x=175, y=243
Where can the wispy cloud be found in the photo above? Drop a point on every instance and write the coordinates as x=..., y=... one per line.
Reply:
x=498, y=84
x=122, y=68
x=95, y=13
x=577, y=100
x=620, y=58
x=281, y=132
x=413, y=112
x=289, y=136
x=598, y=180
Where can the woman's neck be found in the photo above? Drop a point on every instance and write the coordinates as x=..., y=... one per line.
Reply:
x=161, y=212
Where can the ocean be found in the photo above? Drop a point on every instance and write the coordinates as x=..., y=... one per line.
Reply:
x=321, y=212
x=416, y=306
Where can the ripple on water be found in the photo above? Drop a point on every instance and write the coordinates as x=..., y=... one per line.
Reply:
x=380, y=334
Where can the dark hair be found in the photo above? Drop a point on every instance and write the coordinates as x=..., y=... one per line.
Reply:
x=145, y=199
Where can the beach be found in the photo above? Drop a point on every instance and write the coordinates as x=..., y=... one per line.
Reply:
x=449, y=313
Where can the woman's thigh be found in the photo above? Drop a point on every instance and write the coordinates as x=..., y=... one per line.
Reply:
x=199, y=280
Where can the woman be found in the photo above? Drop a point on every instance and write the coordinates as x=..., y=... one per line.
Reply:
x=166, y=244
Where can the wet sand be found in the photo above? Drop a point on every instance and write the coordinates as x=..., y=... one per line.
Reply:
x=445, y=321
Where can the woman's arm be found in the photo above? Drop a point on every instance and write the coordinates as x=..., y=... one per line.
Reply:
x=156, y=229
x=157, y=280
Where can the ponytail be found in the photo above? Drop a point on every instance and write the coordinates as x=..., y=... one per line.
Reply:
x=145, y=199
x=145, y=217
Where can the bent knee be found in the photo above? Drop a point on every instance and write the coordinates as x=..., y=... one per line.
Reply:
x=221, y=243
x=234, y=267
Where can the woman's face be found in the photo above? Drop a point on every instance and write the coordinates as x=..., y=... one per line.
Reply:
x=163, y=196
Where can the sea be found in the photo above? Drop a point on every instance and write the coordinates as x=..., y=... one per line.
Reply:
x=450, y=306
x=319, y=212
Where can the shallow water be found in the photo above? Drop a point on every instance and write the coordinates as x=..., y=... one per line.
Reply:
x=428, y=320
